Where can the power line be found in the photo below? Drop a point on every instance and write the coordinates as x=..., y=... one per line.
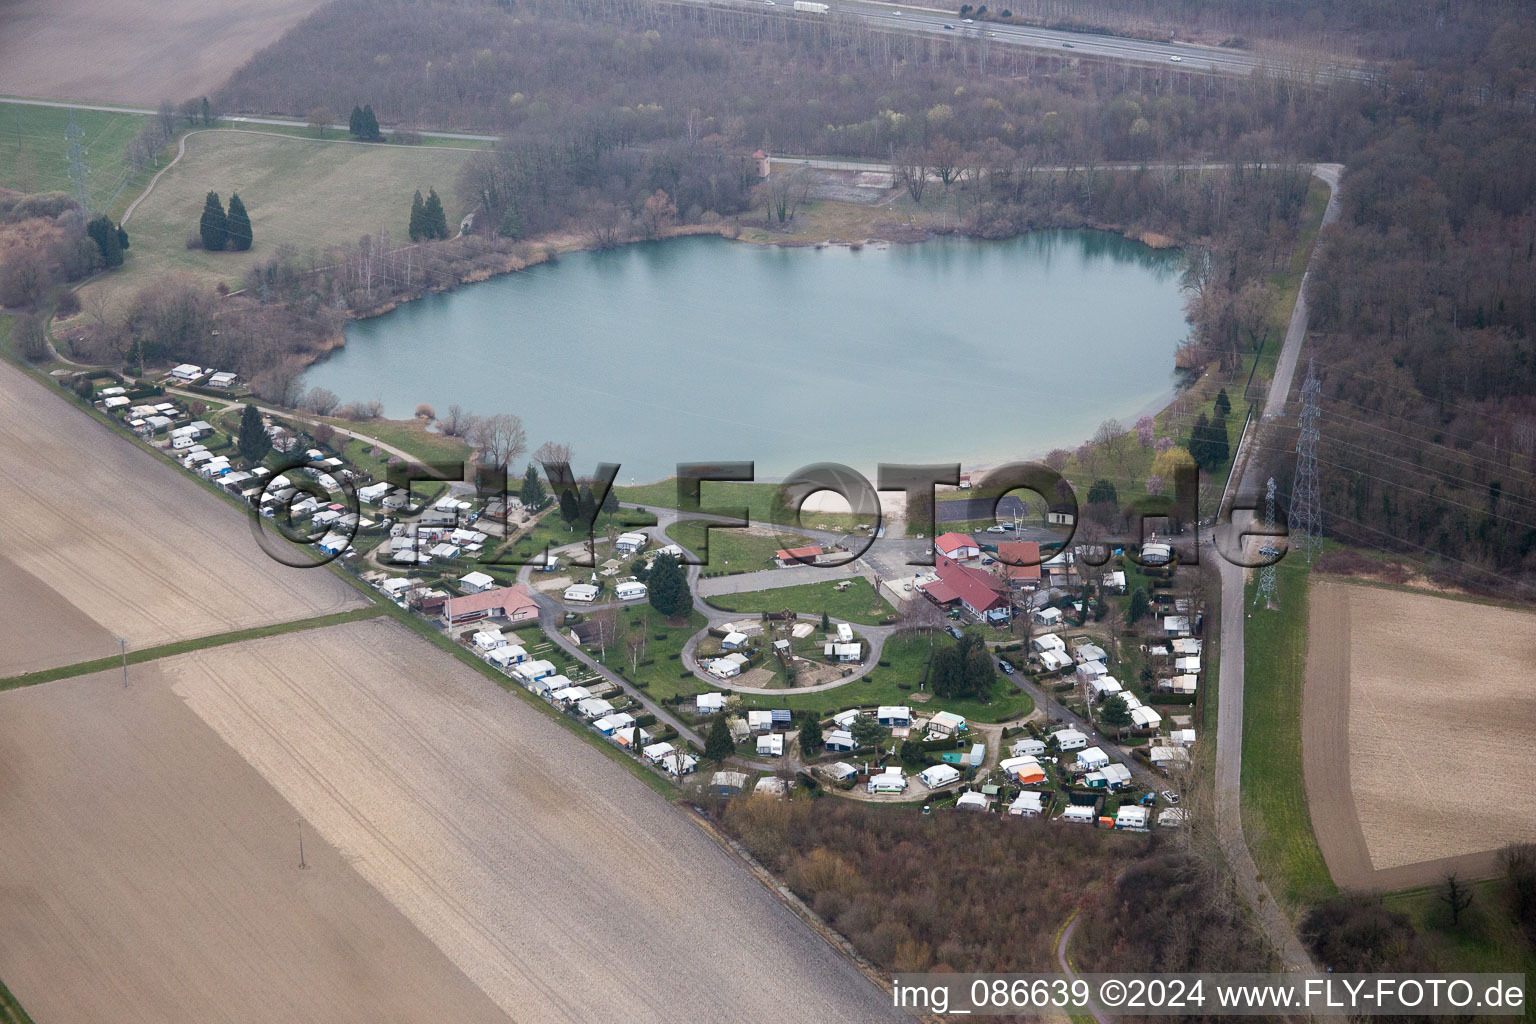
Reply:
x=1306, y=512
x=1266, y=591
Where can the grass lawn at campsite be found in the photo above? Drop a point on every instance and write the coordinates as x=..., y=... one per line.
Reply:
x=897, y=682
x=728, y=498
x=1275, y=816
x=664, y=639
x=301, y=193
x=732, y=550
x=858, y=602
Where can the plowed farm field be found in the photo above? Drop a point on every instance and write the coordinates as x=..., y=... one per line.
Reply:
x=561, y=887
x=104, y=539
x=1418, y=718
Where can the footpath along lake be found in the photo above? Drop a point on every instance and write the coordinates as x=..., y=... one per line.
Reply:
x=704, y=349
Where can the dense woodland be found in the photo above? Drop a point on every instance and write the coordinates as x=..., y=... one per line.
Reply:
x=892, y=882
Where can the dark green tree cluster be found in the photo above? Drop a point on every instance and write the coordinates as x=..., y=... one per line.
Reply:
x=255, y=442
x=965, y=670
x=363, y=125
x=1102, y=491
x=110, y=239
x=667, y=585
x=1115, y=713
x=238, y=226
x=428, y=221
x=717, y=743
x=532, y=493
x=570, y=508
x=1141, y=606
x=214, y=226
x=1208, y=442
x=220, y=230
x=810, y=735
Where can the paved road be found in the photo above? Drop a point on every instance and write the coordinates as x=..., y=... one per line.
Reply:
x=1234, y=611
x=936, y=21
x=1296, y=330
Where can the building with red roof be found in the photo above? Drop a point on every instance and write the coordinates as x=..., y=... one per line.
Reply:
x=956, y=545
x=1027, y=552
x=797, y=556
x=513, y=603
x=978, y=592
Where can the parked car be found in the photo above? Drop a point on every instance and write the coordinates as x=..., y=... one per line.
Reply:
x=956, y=632
x=999, y=528
x=1176, y=59
x=1006, y=666
x=949, y=28
x=1068, y=46
x=1170, y=796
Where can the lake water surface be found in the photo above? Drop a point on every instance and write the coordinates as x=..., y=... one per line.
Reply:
x=702, y=349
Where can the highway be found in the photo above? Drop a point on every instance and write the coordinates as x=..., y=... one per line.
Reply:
x=936, y=21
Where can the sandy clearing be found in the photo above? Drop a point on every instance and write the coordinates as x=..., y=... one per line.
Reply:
x=1417, y=713
x=128, y=539
x=561, y=885
x=133, y=51
x=149, y=874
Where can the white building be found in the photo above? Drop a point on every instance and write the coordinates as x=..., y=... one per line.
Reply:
x=727, y=667
x=709, y=703
x=939, y=775
x=475, y=582
x=1027, y=747
x=1145, y=718
x=1091, y=759
x=890, y=780
x=630, y=590
x=946, y=723
x=771, y=745
x=1080, y=814
x=1131, y=816
x=489, y=639
x=1069, y=740
x=1028, y=804
x=893, y=715
x=972, y=801
x=1047, y=642
x=583, y=593
x=629, y=543
x=531, y=670
x=732, y=641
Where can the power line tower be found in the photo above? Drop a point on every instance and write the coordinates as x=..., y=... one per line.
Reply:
x=1306, y=507
x=78, y=172
x=1266, y=591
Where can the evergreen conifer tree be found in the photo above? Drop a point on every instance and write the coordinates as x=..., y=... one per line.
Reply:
x=717, y=744
x=433, y=217
x=255, y=442
x=238, y=225
x=214, y=226
x=418, y=219
x=810, y=735
x=105, y=234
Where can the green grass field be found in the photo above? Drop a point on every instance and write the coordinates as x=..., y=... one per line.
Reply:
x=732, y=549
x=302, y=193
x=1486, y=940
x=730, y=498
x=857, y=603
x=34, y=153
x=897, y=682
x=1275, y=816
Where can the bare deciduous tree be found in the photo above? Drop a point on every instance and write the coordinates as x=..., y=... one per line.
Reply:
x=497, y=440
x=321, y=401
